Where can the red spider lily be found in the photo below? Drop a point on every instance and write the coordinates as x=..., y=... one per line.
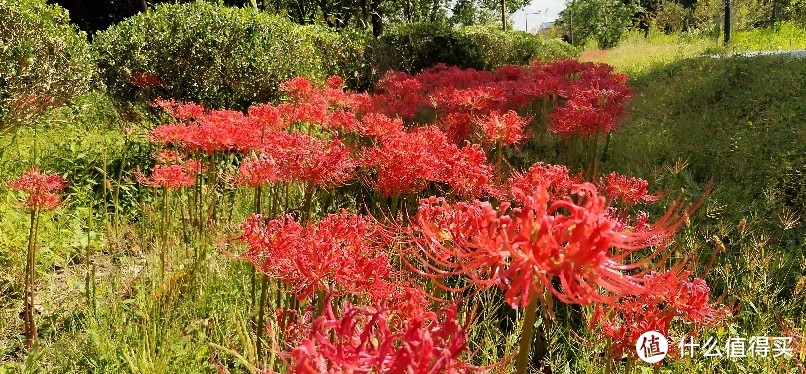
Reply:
x=335, y=82
x=578, y=117
x=402, y=301
x=557, y=177
x=258, y=170
x=169, y=176
x=265, y=117
x=503, y=129
x=594, y=103
x=40, y=188
x=298, y=157
x=457, y=126
x=690, y=299
x=299, y=88
x=627, y=190
x=525, y=249
x=361, y=339
x=311, y=103
x=340, y=254
x=218, y=130
x=180, y=111
x=594, y=95
x=318, y=162
x=379, y=125
x=405, y=162
x=627, y=321
x=469, y=174
x=669, y=296
x=625, y=223
x=305, y=112
x=343, y=120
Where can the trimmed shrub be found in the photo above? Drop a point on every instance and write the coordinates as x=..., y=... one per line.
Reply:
x=44, y=61
x=413, y=47
x=214, y=55
x=345, y=53
x=499, y=48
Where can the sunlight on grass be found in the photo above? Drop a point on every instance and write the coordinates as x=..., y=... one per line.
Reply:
x=638, y=54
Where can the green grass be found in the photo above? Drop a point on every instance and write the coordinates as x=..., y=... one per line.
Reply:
x=637, y=54
x=742, y=122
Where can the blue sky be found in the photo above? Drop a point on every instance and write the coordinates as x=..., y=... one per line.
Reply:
x=548, y=9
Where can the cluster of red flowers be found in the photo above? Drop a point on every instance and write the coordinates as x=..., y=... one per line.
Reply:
x=169, y=176
x=406, y=162
x=520, y=249
x=342, y=254
x=668, y=295
x=557, y=179
x=303, y=139
x=503, y=129
x=589, y=97
x=364, y=339
x=434, y=131
x=627, y=190
x=593, y=103
x=40, y=188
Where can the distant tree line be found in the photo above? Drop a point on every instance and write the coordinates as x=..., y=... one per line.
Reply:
x=607, y=21
x=95, y=15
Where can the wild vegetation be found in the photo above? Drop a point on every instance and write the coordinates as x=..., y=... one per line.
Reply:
x=213, y=205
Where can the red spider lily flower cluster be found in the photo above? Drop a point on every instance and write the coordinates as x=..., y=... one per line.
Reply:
x=171, y=176
x=460, y=103
x=523, y=249
x=341, y=254
x=228, y=130
x=669, y=296
x=363, y=339
x=627, y=190
x=40, y=188
x=299, y=157
x=589, y=97
x=503, y=129
x=593, y=103
x=557, y=177
x=406, y=162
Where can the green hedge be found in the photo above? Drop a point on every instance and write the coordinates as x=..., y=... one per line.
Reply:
x=44, y=61
x=345, y=53
x=215, y=55
x=231, y=57
x=499, y=48
x=414, y=47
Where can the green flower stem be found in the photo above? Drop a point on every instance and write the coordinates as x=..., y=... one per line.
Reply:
x=30, y=325
x=522, y=362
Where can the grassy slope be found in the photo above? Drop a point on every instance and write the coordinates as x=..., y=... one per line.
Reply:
x=637, y=54
x=742, y=122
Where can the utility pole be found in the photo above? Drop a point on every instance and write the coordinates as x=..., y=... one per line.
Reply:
x=727, y=22
x=571, y=23
x=504, y=15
